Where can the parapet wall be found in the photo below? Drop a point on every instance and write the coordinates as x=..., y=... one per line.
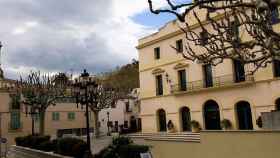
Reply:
x=220, y=144
x=22, y=152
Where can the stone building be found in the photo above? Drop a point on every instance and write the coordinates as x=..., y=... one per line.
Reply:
x=124, y=117
x=177, y=90
x=62, y=119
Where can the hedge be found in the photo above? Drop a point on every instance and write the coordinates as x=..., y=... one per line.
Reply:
x=64, y=146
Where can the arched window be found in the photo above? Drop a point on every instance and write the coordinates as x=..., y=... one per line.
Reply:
x=212, y=115
x=244, y=115
x=185, y=119
x=277, y=102
x=161, y=120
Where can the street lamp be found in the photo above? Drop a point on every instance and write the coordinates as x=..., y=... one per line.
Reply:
x=86, y=91
x=108, y=123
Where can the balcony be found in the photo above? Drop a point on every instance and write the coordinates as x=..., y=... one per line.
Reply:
x=218, y=82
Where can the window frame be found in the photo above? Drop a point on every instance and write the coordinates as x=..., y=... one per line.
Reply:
x=179, y=45
x=159, y=85
x=157, y=53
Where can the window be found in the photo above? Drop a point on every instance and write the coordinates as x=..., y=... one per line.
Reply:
x=127, y=106
x=71, y=116
x=159, y=87
x=276, y=68
x=235, y=28
x=275, y=16
x=125, y=124
x=161, y=116
x=15, y=120
x=179, y=45
x=55, y=116
x=203, y=37
x=239, y=71
x=157, y=53
x=208, y=78
x=182, y=80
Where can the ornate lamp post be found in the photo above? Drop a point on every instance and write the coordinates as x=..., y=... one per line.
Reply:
x=108, y=123
x=85, y=91
x=33, y=112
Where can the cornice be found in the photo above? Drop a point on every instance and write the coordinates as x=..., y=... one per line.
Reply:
x=175, y=33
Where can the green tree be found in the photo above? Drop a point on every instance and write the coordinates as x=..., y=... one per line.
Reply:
x=124, y=78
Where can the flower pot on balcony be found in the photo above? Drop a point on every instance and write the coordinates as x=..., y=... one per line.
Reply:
x=195, y=126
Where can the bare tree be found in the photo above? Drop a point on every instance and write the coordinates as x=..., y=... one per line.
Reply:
x=220, y=22
x=94, y=93
x=39, y=91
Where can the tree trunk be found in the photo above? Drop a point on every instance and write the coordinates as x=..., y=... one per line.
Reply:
x=96, y=126
x=42, y=123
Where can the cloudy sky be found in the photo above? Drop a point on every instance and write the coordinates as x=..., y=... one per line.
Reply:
x=65, y=35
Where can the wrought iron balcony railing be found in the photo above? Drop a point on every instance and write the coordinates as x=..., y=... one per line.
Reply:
x=220, y=81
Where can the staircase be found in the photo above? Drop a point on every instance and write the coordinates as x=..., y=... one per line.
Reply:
x=180, y=137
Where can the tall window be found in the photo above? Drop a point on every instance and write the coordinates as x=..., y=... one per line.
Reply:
x=275, y=16
x=186, y=119
x=179, y=45
x=161, y=120
x=127, y=109
x=203, y=37
x=208, y=78
x=15, y=120
x=15, y=112
x=235, y=28
x=157, y=53
x=277, y=104
x=244, y=115
x=55, y=116
x=276, y=68
x=71, y=116
x=239, y=71
x=159, y=86
x=212, y=115
x=182, y=80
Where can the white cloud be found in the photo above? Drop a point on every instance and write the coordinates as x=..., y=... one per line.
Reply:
x=70, y=34
x=24, y=28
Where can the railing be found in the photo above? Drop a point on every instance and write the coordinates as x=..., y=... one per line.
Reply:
x=220, y=81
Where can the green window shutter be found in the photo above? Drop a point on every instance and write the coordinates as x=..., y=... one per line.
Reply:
x=15, y=119
x=55, y=116
x=71, y=116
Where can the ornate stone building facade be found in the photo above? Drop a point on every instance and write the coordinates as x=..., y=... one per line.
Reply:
x=174, y=89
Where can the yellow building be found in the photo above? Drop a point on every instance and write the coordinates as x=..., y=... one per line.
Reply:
x=63, y=118
x=177, y=90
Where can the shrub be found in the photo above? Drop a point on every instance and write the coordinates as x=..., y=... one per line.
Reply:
x=259, y=122
x=19, y=141
x=47, y=146
x=118, y=141
x=195, y=124
x=71, y=147
x=226, y=124
x=122, y=147
x=31, y=141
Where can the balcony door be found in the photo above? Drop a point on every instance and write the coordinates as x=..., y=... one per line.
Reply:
x=161, y=115
x=239, y=71
x=244, y=115
x=182, y=80
x=159, y=86
x=208, y=77
x=212, y=115
x=276, y=68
